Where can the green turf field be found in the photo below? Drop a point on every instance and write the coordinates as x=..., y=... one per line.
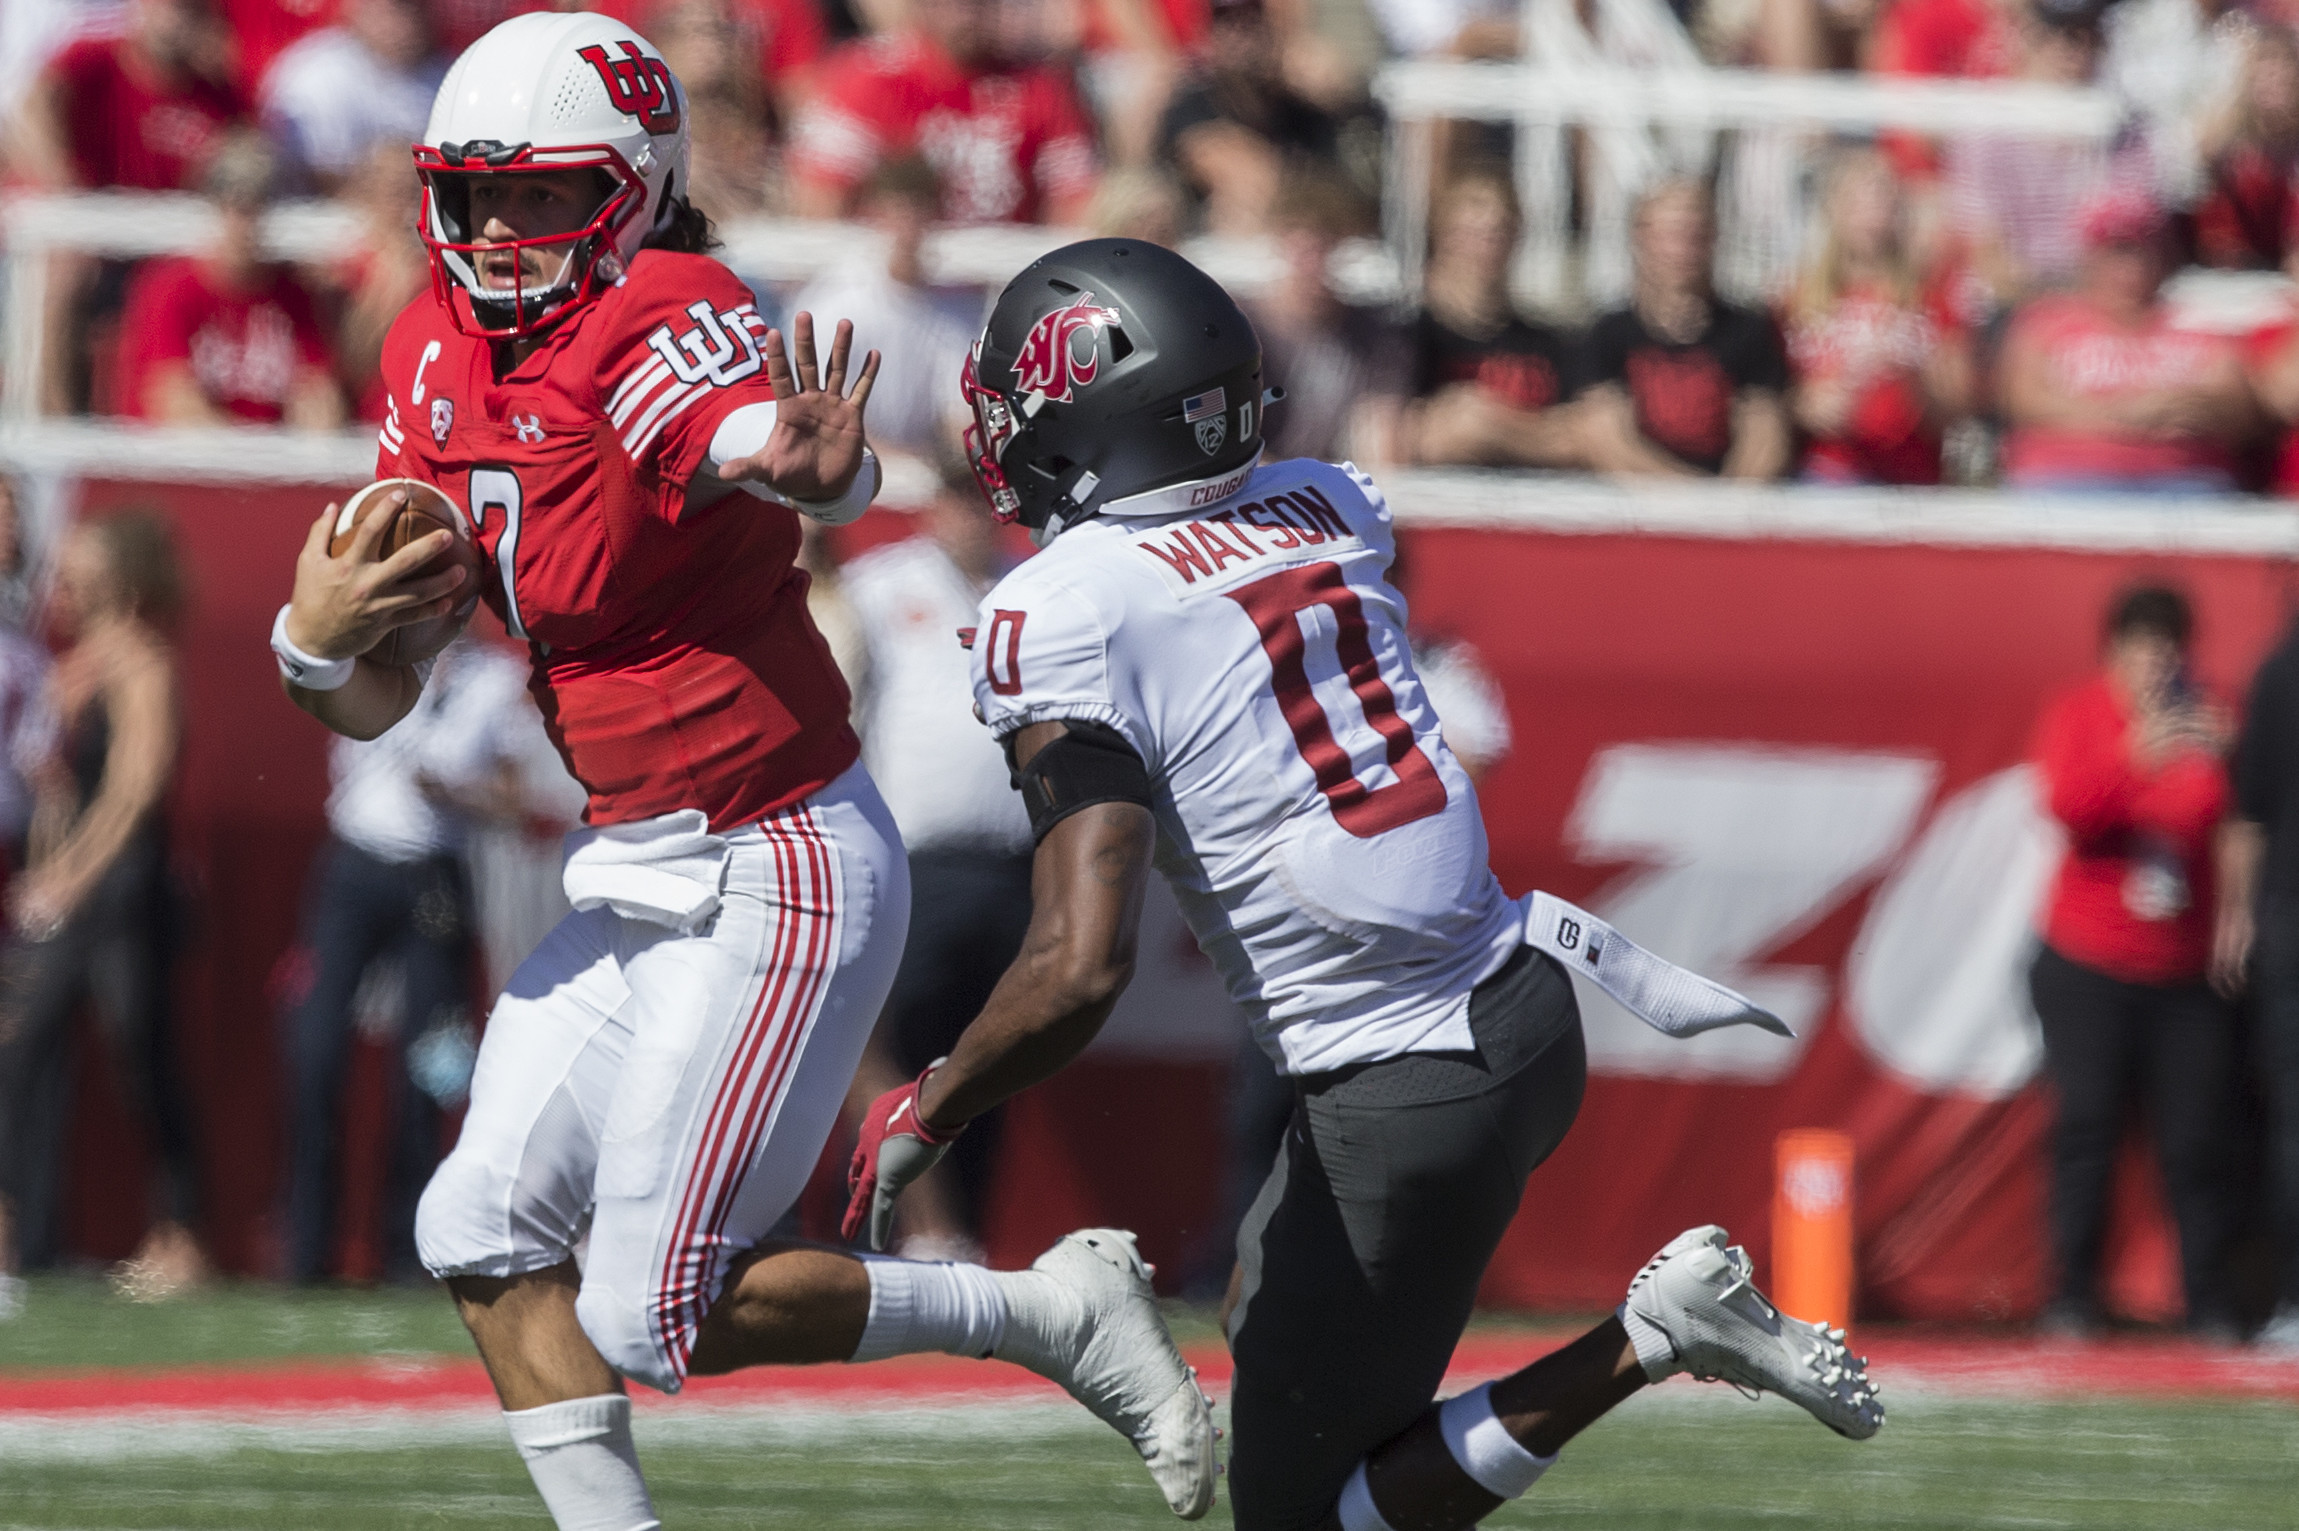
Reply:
x=1681, y=1458
x=2103, y=1467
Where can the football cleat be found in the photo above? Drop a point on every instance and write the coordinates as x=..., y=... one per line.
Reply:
x=1092, y=1325
x=1699, y=1296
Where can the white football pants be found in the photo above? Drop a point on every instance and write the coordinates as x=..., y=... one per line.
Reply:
x=673, y=1092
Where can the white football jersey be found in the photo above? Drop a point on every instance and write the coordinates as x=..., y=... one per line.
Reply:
x=1323, y=842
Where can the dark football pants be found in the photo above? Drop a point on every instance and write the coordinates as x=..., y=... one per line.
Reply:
x=1363, y=1252
x=361, y=906
x=2109, y=1046
x=2275, y=982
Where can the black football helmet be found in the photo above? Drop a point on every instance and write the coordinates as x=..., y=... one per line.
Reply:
x=1113, y=376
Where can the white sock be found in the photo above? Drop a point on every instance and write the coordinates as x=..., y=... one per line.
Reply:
x=1357, y=1510
x=1655, y=1351
x=1483, y=1447
x=584, y=1464
x=944, y=1306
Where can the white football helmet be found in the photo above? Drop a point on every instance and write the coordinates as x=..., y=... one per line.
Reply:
x=548, y=92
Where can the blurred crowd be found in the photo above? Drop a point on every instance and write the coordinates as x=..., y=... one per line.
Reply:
x=94, y=914
x=1989, y=308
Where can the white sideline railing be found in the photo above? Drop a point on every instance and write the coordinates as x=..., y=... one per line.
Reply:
x=1715, y=99
x=132, y=225
x=1611, y=97
x=1469, y=498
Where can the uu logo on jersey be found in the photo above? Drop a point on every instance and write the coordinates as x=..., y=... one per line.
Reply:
x=723, y=347
x=1049, y=364
x=637, y=86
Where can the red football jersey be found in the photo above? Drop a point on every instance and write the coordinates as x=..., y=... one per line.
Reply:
x=674, y=658
x=128, y=130
x=1004, y=141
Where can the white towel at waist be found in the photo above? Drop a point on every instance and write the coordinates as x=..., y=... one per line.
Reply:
x=668, y=870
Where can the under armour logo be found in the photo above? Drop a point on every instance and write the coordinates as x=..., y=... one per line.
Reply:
x=529, y=427
x=721, y=347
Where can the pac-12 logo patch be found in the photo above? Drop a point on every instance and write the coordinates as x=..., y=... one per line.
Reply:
x=1049, y=363
x=1207, y=412
x=637, y=86
x=442, y=419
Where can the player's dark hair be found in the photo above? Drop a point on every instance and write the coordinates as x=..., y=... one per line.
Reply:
x=2154, y=609
x=687, y=231
x=140, y=548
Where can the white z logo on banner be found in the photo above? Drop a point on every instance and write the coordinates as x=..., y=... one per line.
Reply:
x=1936, y=985
x=1746, y=849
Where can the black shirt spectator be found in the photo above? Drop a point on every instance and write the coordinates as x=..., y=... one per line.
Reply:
x=1236, y=128
x=2258, y=939
x=1524, y=364
x=1684, y=391
x=2267, y=769
x=1487, y=383
x=1680, y=383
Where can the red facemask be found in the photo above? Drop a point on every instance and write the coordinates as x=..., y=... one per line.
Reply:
x=504, y=314
x=994, y=428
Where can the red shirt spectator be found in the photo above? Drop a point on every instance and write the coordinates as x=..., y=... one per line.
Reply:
x=1010, y=143
x=244, y=346
x=1962, y=39
x=2240, y=223
x=1879, y=364
x=2243, y=221
x=264, y=29
x=1958, y=39
x=2104, y=391
x=2271, y=360
x=227, y=337
x=2133, y=896
x=132, y=109
x=1870, y=352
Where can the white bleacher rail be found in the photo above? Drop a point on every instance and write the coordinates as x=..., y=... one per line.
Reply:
x=129, y=225
x=1612, y=97
x=1555, y=504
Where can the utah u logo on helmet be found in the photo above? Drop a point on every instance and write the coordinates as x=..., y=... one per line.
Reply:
x=637, y=85
x=1049, y=364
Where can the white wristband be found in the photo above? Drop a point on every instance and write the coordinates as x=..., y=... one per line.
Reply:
x=744, y=431
x=306, y=670
x=850, y=505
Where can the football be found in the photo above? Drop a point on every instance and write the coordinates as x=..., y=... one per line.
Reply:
x=420, y=509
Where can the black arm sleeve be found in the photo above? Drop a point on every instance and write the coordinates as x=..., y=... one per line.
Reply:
x=1091, y=763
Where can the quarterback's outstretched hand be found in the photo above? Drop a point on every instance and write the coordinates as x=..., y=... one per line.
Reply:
x=815, y=448
x=894, y=1149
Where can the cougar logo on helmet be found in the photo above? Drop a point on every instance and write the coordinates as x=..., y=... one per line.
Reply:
x=638, y=86
x=1048, y=363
